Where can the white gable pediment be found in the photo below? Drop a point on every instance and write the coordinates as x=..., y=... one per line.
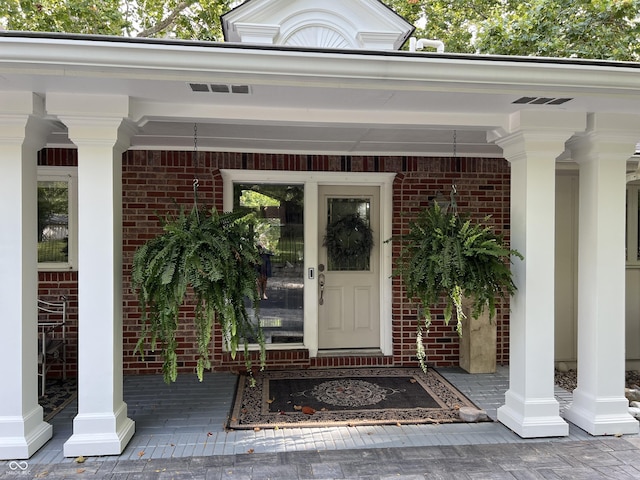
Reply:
x=346, y=24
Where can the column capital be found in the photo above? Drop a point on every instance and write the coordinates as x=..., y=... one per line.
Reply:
x=535, y=131
x=98, y=131
x=93, y=120
x=23, y=131
x=608, y=136
x=21, y=121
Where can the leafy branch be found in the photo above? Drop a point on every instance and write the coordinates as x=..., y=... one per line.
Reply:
x=167, y=21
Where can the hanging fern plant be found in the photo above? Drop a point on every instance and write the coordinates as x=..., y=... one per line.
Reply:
x=445, y=258
x=210, y=257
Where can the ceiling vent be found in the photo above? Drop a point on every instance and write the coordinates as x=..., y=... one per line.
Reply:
x=240, y=89
x=219, y=88
x=199, y=87
x=541, y=101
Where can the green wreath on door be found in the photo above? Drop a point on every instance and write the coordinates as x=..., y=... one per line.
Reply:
x=348, y=238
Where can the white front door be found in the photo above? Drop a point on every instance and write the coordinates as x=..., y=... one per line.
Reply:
x=348, y=285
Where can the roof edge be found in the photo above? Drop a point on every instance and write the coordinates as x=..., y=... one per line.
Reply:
x=255, y=47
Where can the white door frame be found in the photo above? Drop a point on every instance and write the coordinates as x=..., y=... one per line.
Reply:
x=311, y=180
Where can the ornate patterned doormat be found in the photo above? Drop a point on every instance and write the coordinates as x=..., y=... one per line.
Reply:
x=362, y=396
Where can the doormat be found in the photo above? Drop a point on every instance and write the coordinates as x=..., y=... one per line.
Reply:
x=360, y=396
x=58, y=394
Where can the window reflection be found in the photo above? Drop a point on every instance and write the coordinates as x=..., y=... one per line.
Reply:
x=279, y=231
x=53, y=221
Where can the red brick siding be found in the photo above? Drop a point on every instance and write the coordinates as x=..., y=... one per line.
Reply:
x=58, y=157
x=154, y=182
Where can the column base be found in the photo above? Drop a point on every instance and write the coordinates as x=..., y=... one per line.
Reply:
x=533, y=418
x=21, y=437
x=100, y=434
x=601, y=416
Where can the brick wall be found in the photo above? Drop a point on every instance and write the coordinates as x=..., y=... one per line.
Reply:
x=155, y=182
x=51, y=287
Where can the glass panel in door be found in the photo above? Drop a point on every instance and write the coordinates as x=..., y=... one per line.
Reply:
x=350, y=214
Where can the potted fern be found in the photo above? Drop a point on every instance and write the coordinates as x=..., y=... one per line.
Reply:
x=453, y=260
x=209, y=258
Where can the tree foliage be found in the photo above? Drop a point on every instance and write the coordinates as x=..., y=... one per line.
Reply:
x=454, y=21
x=601, y=29
x=188, y=19
x=53, y=198
x=78, y=16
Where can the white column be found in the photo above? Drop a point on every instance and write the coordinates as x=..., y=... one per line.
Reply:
x=535, y=141
x=599, y=405
x=22, y=429
x=95, y=125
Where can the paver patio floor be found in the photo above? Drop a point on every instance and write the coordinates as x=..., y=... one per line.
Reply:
x=187, y=419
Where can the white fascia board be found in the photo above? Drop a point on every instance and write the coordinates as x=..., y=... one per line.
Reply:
x=184, y=62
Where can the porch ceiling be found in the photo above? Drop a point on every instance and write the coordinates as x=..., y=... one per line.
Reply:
x=309, y=101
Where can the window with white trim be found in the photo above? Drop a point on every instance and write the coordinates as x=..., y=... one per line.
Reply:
x=57, y=218
x=633, y=224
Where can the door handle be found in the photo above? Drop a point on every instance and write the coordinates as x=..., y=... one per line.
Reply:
x=321, y=284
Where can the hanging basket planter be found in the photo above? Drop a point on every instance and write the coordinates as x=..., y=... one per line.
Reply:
x=446, y=258
x=209, y=258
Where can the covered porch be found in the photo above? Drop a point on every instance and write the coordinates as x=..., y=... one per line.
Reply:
x=315, y=101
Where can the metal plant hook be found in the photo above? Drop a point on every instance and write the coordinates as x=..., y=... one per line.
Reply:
x=455, y=144
x=453, y=204
x=454, y=189
x=196, y=161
